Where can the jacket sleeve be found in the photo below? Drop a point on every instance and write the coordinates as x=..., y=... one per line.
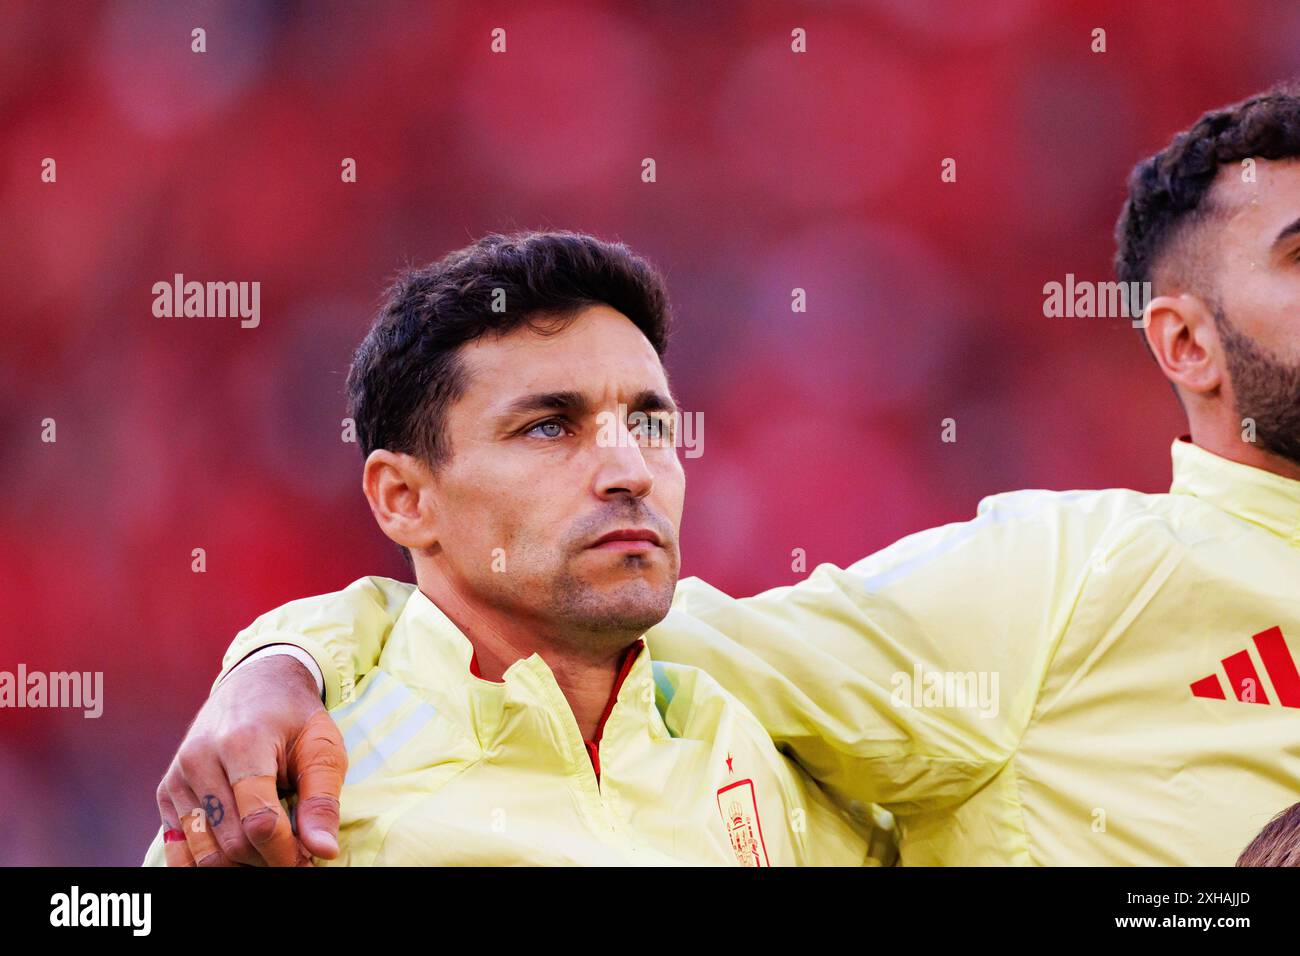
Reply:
x=343, y=631
x=907, y=678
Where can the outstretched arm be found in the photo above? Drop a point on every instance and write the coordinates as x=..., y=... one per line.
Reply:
x=908, y=678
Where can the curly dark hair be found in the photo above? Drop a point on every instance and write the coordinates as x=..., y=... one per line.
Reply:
x=1167, y=192
x=406, y=373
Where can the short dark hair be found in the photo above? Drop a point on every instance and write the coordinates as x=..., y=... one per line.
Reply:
x=1166, y=192
x=406, y=373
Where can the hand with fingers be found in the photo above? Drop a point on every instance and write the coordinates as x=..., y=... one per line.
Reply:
x=263, y=732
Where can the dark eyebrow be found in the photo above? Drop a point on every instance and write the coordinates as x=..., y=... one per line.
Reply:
x=1287, y=233
x=649, y=400
x=646, y=400
x=573, y=402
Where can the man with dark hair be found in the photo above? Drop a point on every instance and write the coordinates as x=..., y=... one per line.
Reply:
x=514, y=715
x=410, y=367
x=1198, y=227
x=1082, y=677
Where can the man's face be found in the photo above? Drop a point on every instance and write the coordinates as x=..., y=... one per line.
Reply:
x=1258, y=289
x=533, y=482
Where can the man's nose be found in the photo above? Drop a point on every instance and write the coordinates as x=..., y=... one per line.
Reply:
x=622, y=471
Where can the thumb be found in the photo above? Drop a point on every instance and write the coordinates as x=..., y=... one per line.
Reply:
x=316, y=766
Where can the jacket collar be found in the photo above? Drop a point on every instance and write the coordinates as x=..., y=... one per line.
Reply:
x=1251, y=494
x=429, y=653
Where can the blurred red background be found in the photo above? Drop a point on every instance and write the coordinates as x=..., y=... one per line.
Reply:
x=775, y=171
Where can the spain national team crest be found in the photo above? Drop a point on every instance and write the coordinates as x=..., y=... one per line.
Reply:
x=739, y=808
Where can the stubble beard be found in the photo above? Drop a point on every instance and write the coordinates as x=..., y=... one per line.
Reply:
x=1267, y=391
x=600, y=620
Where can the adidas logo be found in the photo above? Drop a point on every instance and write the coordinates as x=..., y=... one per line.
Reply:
x=1244, y=679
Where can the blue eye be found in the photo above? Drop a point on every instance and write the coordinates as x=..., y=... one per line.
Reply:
x=556, y=429
x=656, y=429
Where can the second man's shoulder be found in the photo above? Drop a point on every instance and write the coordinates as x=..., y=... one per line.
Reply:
x=368, y=595
x=1038, y=505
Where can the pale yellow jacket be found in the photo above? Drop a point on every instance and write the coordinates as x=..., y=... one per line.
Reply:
x=446, y=768
x=1087, y=677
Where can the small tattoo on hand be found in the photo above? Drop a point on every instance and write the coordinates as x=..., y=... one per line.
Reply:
x=213, y=808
